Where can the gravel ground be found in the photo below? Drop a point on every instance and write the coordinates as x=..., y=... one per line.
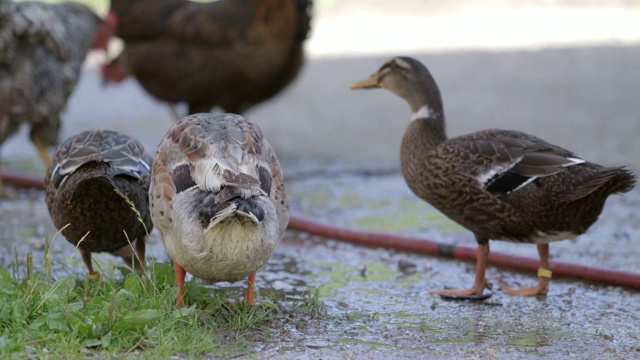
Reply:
x=377, y=300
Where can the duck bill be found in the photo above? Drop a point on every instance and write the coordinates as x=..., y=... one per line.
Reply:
x=369, y=83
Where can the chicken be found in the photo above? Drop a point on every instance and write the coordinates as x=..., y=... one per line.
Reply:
x=229, y=53
x=42, y=49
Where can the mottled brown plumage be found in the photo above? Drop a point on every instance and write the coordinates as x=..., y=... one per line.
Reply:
x=227, y=53
x=81, y=184
x=42, y=49
x=217, y=197
x=500, y=184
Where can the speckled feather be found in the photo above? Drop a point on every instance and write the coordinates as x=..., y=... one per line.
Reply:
x=80, y=189
x=500, y=184
x=42, y=47
x=217, y=196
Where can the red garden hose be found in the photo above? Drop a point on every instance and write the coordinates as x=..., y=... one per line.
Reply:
x=21, y=180
x=417, y=245
x=430, y=247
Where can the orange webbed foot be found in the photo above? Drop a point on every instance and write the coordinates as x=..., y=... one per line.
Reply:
x=476, y=292
x=541, y=289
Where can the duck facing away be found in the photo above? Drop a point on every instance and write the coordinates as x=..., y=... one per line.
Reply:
x=217, y=197
x=81, y=184
x=500, y=184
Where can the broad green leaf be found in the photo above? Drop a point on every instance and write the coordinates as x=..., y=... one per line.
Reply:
x=139, y=319
x=56, y=298
x=54, y=321
x=132, y=283
x=183, y=312
x=92, y=343
x=125, y=299
x=106, y=340
x=18, y=311
x=7, y=346
x=83, y=325
x=163, y=274
x=6, y=281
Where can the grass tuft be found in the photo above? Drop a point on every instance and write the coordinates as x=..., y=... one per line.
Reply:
x=66, y=318
x=49, y=315
x=46, y=315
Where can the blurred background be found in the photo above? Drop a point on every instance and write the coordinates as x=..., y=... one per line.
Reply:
x=567, y=71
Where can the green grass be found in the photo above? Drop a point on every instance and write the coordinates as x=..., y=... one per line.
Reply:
x=43, y=316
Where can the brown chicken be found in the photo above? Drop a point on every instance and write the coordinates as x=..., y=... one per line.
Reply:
x=229, y=53
x=42, y=49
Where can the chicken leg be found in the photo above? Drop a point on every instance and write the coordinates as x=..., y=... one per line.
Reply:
x=43, y=152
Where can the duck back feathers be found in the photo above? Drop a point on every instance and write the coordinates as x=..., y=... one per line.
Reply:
x=81, y=184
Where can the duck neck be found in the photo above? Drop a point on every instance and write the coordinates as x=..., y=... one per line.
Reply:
x=427, y=127
x=423, y=134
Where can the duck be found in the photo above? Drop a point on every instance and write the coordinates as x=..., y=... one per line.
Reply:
x=217, y=197
x=96, y=190
x=501, y=185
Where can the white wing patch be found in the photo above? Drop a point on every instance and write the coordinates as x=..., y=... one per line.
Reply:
x=497, y=169
x=574, y=161
x=545, y=238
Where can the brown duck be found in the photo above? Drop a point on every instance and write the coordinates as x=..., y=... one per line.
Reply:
x=81, y=184
x=500, y=184
x=217, y=197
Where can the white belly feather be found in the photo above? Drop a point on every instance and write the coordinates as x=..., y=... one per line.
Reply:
x=229, y=251
x=544, y=238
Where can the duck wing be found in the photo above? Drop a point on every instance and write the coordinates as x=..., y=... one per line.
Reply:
x=125, y=155
x=225, y=155
x=503, y=161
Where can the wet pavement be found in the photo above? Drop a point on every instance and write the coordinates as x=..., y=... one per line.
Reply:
x=377, y=300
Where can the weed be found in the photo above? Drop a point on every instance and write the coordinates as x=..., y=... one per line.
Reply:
x=311, y=304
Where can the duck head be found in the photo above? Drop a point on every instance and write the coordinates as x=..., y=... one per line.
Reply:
x=409, y=79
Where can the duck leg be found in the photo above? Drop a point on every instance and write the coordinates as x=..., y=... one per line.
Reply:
x=249, y=296
x=180, y=275
x=86, y=257
x=133, y=255
x=544, y=274
x=140, y=250
x=480, y=282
